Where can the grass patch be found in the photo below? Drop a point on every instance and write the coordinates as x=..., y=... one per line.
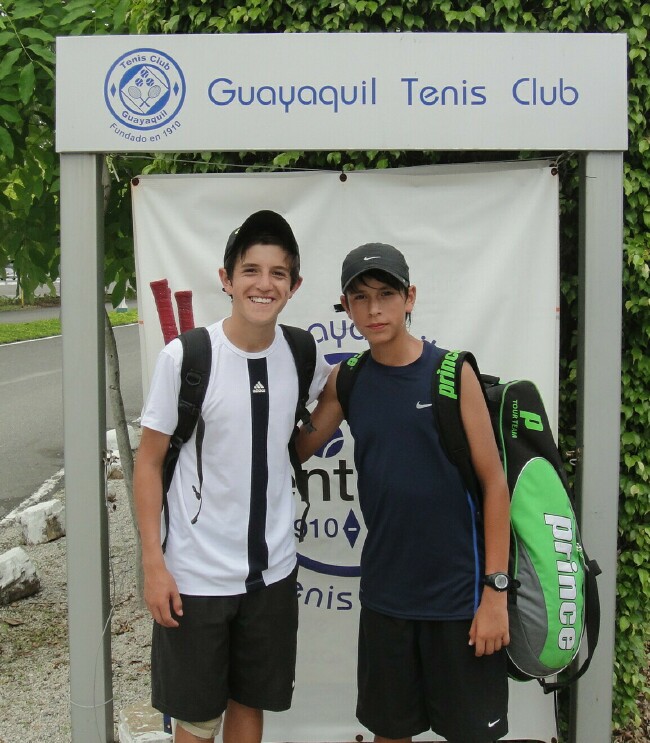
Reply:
x=123, y=318
x=27, y=331
x=9, y=304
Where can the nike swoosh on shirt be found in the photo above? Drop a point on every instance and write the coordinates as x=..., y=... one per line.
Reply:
x=492, y=724
x=420, y=405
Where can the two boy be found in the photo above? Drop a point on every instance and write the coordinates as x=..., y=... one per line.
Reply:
x=431, y=631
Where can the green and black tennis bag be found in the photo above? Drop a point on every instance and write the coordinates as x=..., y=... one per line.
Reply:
x=554, y=604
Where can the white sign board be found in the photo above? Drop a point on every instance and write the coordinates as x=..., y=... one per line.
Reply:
x=341, y=91
x=482, y=246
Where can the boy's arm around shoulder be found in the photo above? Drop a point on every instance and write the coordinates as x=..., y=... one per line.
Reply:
x=489, y=631
x=325, y=419
x=160, y=591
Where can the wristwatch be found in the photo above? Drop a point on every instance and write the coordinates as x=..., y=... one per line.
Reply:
x=499, y=581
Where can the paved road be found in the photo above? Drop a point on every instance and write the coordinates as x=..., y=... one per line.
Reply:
x=31, y=435
x=9, y=287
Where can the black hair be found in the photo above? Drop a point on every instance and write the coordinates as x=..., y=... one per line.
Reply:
x=263, y=238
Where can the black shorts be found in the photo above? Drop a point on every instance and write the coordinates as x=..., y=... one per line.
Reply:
x=419, y=675
x=227, y=647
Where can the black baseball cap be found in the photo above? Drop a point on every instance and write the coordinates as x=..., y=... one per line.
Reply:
x=263, y=222
x=374, y=256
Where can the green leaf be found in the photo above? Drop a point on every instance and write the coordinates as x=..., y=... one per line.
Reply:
x=44, y=52
x=119, y=291
x=47, y=69
x=26, y=10
x=26, y=82
x=119, y=16
x=172, y=24
x=37, y=33
x=6, y=143
x=8, y=62
x=72, y=15
x=637, y=35
x=49, y=21
x=8, y=113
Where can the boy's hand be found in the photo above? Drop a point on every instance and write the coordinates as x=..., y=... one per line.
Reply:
x=489, y=631
x=162, y=597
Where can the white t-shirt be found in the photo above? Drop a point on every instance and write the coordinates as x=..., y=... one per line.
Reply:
x=242, y=536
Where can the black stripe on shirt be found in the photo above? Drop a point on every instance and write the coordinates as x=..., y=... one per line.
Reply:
x=258, y=551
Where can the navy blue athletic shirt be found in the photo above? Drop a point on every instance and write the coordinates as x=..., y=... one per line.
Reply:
x=423, y=554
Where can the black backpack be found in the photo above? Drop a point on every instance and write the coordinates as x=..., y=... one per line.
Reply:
x=555, y=599
x=195, y=374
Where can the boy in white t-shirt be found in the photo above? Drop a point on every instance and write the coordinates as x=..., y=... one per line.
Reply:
x=223, y=596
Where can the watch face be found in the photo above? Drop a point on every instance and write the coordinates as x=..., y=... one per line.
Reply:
x=501, y=581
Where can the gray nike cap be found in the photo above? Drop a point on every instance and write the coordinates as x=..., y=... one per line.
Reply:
x=374, y=256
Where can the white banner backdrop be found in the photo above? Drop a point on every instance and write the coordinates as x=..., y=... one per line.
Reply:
x=482, y=245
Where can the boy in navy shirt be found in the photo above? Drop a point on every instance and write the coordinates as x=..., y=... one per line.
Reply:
x=434, y=619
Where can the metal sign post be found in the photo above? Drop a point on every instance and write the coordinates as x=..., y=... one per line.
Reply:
x=84, y=406
x=598, y=434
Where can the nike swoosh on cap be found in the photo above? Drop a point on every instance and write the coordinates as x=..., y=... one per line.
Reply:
x=370, y=257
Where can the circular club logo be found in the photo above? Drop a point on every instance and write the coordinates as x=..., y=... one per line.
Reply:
x=144, y=89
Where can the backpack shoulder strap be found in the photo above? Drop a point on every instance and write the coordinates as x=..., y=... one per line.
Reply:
x=346, y=377
x=446, y=395
x=195, y=374
x=303, y=348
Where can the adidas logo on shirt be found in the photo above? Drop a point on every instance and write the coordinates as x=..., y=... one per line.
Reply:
x=259, y=387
